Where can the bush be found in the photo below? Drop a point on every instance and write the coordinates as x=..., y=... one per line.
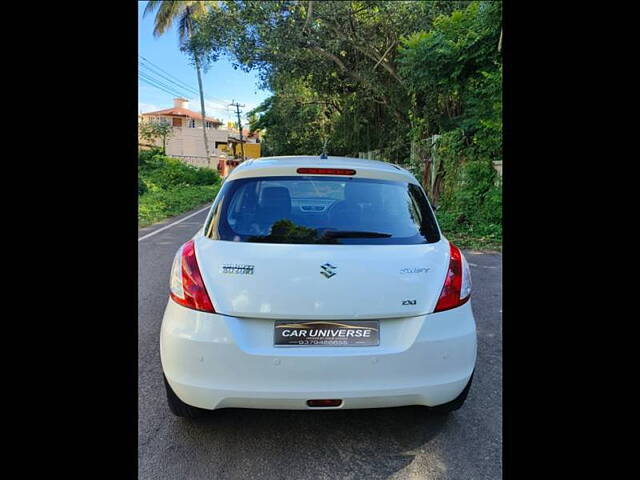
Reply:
x=206, y=176
x=144, y=156
x=471, y=201
x=168, y=187
x=170, y=174
x=166, y=172
x=491, y=210
x=454, y=73
x=142, y=186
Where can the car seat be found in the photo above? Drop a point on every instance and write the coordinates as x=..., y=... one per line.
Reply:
x=275, y=205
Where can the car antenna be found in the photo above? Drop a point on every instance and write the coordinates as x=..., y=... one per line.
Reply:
x=324, y=150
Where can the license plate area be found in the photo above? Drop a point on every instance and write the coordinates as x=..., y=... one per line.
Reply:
x=326, y=333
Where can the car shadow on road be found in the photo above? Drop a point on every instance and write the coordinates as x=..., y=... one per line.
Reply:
x=245, y=443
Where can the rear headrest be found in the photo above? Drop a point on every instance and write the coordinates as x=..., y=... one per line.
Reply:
x=277, y=198
x=362, y=192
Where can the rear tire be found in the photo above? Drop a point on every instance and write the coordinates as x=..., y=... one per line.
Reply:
x=178, y=407
x=454, y=404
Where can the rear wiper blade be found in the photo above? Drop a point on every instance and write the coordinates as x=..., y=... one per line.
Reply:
x=354, y=234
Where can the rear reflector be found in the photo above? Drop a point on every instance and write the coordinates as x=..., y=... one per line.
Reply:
x=324, y=403
x=327, y=171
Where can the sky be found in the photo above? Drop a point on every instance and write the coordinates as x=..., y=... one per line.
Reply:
x=221, y=83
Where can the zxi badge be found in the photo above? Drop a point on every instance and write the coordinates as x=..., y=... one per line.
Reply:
x=327, y=270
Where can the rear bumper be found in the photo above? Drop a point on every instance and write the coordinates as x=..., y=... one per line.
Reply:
x=216, y=361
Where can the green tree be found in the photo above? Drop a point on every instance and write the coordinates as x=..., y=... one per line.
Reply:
x=442, y=66
x=152, y=131
x=184, y=13
x=345, y=52
x=390, y=76
x=454, y=74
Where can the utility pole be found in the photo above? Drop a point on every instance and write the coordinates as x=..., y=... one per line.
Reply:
x=237, y=105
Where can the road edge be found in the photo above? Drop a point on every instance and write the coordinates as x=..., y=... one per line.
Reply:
x=168, y=221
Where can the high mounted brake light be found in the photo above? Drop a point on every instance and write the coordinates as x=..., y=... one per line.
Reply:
x=324, y=403
x=457, y=284
x=327, y=171
x=187, y=286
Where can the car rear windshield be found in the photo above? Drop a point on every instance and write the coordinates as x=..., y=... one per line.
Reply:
x=322, y=210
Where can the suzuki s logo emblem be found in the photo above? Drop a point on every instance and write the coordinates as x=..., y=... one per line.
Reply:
x=327, y=270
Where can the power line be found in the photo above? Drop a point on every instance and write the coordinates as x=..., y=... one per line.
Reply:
x=151, y=76
x=183, y=85
x=158, y=87
x=165, y=88
x=222, y=109
x=168, y=88
x=186, y=85
x=162, y=78
x=150, y=71
x=172, y=89
x=160, y=73
x=174, y=94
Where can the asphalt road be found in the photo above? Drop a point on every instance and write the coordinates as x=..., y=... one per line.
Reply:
x=398, y=443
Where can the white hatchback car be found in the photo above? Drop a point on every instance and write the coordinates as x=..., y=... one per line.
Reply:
x=318, y=283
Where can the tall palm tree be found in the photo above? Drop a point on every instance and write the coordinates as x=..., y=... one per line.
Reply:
x=184, y=13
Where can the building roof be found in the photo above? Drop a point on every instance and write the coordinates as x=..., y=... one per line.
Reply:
x=181, y=112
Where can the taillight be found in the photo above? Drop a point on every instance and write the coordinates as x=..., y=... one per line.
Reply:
x=187, y=287
x=457, y=285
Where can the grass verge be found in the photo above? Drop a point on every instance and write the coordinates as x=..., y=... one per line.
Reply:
x=471, y=242
x=167, y=187
x=470, y=236
x=159, y=205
